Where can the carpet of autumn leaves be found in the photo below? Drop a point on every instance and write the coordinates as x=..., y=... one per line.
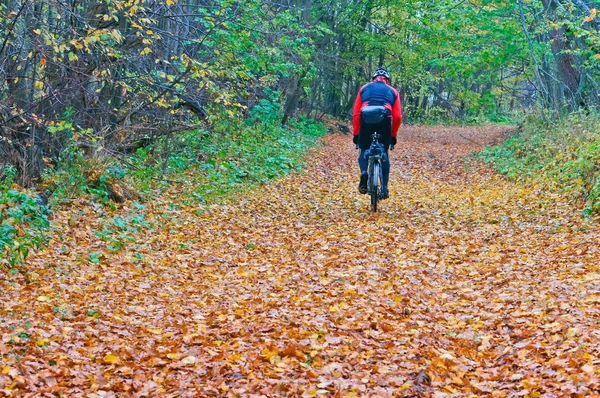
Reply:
x=465, y=284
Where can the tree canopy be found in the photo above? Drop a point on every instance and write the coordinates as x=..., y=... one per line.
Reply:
x=105, y=75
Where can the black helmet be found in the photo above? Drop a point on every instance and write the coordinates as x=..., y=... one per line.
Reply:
x=382, y=72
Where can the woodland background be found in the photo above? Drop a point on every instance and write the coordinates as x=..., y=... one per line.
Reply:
x=113, y=99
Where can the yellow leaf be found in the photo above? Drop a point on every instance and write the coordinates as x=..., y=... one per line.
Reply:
x=592, y=16
x=110, y=358
x=116, y=35
x=42, y=342
x=37, y=32
x=43, y=298
x=450, y=389
x=271, y=354
x=76, y=44
x=458, y=381
x=5, y=370
x=235, y=357
x=172, y=355
x=485, y=343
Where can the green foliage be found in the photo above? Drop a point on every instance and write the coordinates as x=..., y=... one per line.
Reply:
x=566, y=156
x=75, y=175
x=119, y=232
x=129, y=67
x=23, y=222
x=451, y=60
x=238, y=154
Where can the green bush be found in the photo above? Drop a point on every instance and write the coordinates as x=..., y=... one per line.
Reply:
x=23, y=223
x=235, y=154
x=565, y=155
x=75, y=175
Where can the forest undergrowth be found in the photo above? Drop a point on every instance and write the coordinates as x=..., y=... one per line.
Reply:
x=564, y=155
x=466, y=282
x=230, y=157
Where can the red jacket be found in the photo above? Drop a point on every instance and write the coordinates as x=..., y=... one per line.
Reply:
x=378, y=92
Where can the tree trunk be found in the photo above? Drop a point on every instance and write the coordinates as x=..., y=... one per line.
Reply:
x=541, y=86
x=293, y=98
x=565, y=62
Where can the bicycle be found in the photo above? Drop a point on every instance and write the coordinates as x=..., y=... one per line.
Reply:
x=376, y=156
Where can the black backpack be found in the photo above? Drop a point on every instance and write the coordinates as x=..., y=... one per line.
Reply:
x=374, y=114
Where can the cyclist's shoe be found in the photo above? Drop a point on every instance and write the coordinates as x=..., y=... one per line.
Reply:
x=384, y=194
x=362, y=187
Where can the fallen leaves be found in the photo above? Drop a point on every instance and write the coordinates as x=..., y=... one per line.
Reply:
x=464, y=284
x=190, y=360
x=112, y=359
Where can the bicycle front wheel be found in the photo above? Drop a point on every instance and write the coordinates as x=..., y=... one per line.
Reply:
x=374, y=186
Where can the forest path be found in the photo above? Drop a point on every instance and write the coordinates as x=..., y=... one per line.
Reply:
x=464, y=283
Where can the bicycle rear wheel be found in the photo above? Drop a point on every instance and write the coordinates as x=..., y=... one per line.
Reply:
x=375, y=179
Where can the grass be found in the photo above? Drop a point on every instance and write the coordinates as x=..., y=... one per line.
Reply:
x=564, y=155
x=220, y=162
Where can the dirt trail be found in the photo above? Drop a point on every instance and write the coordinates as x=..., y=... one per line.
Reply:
x=465, y=283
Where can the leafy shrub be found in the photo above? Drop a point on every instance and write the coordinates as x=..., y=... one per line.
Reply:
x=566, y=156
x=76, y=175
x=235, y=154
x=23, y=222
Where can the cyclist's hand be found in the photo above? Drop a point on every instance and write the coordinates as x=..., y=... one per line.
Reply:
x=394, y=141
x=355, y=139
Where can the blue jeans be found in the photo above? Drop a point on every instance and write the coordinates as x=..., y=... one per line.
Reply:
x=364, y=163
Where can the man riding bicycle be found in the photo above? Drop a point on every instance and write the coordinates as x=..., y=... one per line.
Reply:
x=376, y=109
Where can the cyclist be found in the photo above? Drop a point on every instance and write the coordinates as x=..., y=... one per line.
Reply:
x=377, y=108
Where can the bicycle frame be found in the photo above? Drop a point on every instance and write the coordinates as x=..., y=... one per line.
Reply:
x=376, y=156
